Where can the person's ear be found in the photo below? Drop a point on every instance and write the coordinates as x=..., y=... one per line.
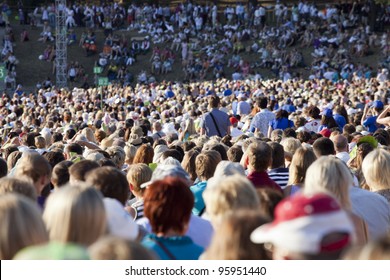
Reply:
x=131, y=187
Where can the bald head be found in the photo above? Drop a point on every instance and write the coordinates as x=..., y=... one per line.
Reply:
x=340, y=143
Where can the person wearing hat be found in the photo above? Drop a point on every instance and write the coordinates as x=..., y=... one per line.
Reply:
x=307, y=227
x=235, y=132
x=370, y=114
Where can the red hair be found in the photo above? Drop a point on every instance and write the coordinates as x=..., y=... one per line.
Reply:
x=168, y=204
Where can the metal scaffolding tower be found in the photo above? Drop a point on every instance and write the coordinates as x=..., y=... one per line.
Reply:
x=61, y=46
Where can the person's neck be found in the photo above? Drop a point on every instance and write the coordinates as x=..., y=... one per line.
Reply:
x=170, y=233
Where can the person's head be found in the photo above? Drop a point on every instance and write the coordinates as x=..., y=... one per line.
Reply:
x=22, y=186
x=376, y=169
x=231, y=239
x=269, y=199
x=214, y=101
x=188, y=163
x=115, y=248
x=262, y=102
x=277, y=155
x=228, y=168
x=314, y=113
x=259, y=156
x=36, y=167
x=290, y=145
x=138, y=174
x=144, y=154
x=72, y=149
x=110, y=181
x=307, y=227
x=79, y=170
x=3, y=168
x=117, y=155
x=301, y=161
x=329, y=175
x=13, y=159
x=21, y=225
x=323, y=147
x=54, y=158
x=130, y=152
x=228, y=194
x=168, y=205
x=60, y=175
x=235, y=153
x=76, y=214
x=40, y=142
x=205, y=164
x=340, y=143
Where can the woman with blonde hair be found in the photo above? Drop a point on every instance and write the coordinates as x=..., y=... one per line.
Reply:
x=21, y=225
x=231, y=239
x=229, y=194
x=76, y=214
x=330, y=175
x=301, y=161
x=376, y=171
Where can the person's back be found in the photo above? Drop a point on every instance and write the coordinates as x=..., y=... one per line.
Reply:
x=373, y=209
x=215, y=122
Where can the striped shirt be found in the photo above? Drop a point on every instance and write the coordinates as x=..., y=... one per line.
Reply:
x=280, y=176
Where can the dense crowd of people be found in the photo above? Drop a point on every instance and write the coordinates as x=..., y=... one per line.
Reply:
x=228, y=169
x=169, y=170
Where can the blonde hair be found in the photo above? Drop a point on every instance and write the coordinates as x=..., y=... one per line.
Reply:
x=301, y=161
x=114, y=248
x=228, y=194
x=21, y=225
x=32, y=165
x=290, y=145
x=376, y=169
x=231, y=240
x=130, y=151
x=23, y=186
x=89, y=134
x=75, y=213
x=138, y=174
x=329, y=174
x=40, y=142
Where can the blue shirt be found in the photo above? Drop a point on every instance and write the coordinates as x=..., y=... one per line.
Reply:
x=282, y=123
x=371, y=124
x=180, y=247
x=198, y=190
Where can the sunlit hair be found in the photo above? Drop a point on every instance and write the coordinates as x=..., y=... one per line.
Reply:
x=144, y=154
x=329, y=174
x=376, y=169
x=231, y=238
x=21, y=225
x=188, y=163
x=75, y=213
x=228, y=194
x=137, y=174
x=22, y=186
x=301, y=161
